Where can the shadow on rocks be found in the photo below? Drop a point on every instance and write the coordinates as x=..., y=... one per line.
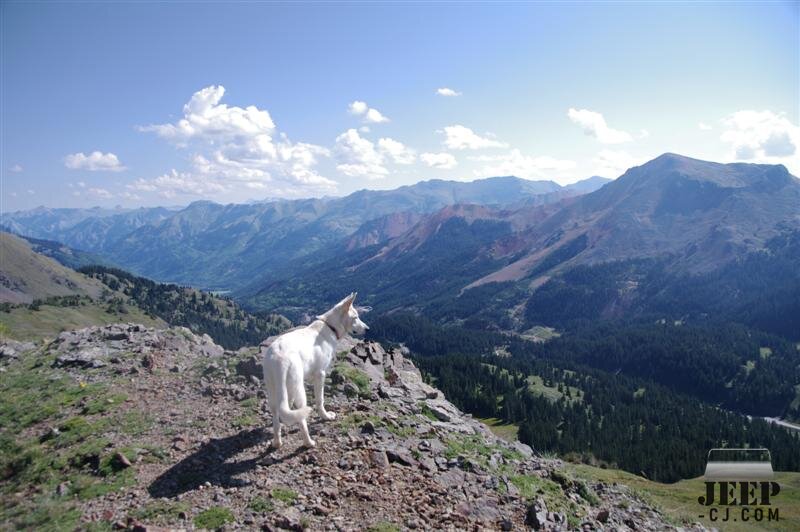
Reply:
x=212, y=463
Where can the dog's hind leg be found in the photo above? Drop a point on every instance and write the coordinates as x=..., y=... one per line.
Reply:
x=298, y=394
x=274, y=407
x=276, y=429
x=319, y=396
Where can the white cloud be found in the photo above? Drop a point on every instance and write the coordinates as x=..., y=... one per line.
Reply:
x=762, y=136
x=444, y=91
x=358, y=108
x=702, y=126
x=235, y=147
x=611, y=163
x=374, y=116
x=132, y=196
x=367, y=113
x=17, y=168
x=399, y=152
x=594, y=125
x=358, y=156
x=176, y=183
x=94, y=162
x=458, y=137
x=31, y=191
x=528, y=167
x=443, y=160
x=100, y=193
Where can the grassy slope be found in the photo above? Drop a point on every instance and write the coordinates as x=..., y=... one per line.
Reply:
x=29, y=275
x=25, y=324
x=501, y=429
x=679, y=500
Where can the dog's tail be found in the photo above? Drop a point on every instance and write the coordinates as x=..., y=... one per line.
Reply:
x=287, y=415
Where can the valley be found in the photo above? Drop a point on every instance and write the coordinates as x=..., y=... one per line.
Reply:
x=625, y=329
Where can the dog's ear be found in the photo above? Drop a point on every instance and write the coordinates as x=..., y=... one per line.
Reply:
x=347, y=302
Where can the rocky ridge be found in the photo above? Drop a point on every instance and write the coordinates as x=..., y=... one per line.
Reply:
x=182, y=438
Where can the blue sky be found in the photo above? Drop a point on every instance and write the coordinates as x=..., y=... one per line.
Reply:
x=165, y=103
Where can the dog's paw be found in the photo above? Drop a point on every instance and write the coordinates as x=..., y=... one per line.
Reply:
x=311, y=444
x=276, y=444
x=328, y=416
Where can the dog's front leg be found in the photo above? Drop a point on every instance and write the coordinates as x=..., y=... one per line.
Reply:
x=319, y=396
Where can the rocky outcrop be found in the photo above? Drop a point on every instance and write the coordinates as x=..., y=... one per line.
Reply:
x=131, y=347
x=12, y=349
x=398, y=456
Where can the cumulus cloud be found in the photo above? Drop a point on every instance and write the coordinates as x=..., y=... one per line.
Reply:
x=358, y=156
x=594, y=125
x=17, y=168
x=458, y=137
x=761, y=136
x=100, y=193
x=525, y=166
x=397, y=151
x=234, y=148
x=94, y=162
x=443, y=160
x=175, y=183
x=612, y=163
x=367, y=113
x=444, y=91
x=702, y=126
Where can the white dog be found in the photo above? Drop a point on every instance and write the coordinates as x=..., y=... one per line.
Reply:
x=301, y=353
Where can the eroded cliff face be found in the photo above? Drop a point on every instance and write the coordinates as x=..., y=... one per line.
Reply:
x=151, y=428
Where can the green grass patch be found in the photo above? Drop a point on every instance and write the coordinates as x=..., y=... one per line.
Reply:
x=245, y=421
x=213, y=518
x=500, y=428
x=133, y=423
x=261, y=505
x=104, y=403
x=400, y=430
x=161, y=512
x=427, y=412
x=251, y=403
x=476, y=447
x=539, y=333
x=354, y=375
x=384, y=526
x=285, y=495
x=357, y=419
x=537, y=387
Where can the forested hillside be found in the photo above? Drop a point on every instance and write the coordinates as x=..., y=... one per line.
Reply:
x=225, y=321
x=645, y=398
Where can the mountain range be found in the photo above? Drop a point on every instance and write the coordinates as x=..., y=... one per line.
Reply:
x=225, y=246
x=628, y=245
x=497, y=252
